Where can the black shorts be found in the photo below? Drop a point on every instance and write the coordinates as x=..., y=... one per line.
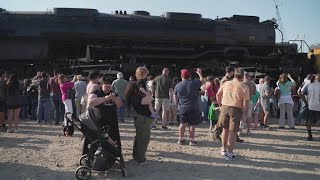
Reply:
x=313, y=116
x=2, y=106
x=192, y=117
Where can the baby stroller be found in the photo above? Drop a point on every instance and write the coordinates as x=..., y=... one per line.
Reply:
x=101, y=152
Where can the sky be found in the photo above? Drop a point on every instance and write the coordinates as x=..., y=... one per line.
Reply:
x=300, y=18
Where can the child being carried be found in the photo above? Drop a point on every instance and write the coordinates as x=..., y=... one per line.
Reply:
x=141, y=75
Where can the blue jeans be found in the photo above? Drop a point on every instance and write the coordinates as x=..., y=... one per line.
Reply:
x=122, y=111
x=204, y=107
x=24, y=108
x=302, y=113
x=58, y=107
x=34, y=109
x=44, y=107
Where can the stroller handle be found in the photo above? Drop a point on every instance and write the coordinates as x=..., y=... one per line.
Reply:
x=70, y=118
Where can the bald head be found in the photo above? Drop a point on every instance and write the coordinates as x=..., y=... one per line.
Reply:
x=261, y=80
x=165, y=71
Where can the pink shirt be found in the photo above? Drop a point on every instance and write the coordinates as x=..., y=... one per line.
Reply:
x=212, y=91
x=64, y=89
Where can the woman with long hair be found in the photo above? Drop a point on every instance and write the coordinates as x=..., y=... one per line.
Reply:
x=142, y=121
x=285, y=100
x=14, y=103
x=65, y=88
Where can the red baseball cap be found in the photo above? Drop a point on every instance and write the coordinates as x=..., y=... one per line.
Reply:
x=185, y=73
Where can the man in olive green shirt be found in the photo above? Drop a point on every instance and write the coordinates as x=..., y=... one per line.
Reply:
x=163, y=92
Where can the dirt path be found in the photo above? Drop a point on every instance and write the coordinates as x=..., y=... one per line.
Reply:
x=40, y=152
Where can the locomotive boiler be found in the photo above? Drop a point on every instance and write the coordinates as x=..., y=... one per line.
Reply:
x=78, y=38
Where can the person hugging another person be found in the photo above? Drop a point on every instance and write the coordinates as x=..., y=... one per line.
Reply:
x=141, y=75
x=104, y=104
x=67, y=98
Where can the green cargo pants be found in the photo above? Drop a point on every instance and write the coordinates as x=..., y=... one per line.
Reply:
x=142, y=138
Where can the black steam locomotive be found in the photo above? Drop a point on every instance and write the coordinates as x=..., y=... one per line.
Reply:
x=79, y=38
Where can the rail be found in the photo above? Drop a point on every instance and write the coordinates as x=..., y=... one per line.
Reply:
x=302, y=42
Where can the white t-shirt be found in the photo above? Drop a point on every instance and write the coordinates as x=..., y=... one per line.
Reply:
x=312, y=90
x=258, y=87
x=149, y=86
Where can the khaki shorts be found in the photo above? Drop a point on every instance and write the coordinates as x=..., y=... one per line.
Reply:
x=265, y=107
x=230, y=118
x=162, y=103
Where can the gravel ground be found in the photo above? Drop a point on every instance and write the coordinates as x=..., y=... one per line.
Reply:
x=41, y=152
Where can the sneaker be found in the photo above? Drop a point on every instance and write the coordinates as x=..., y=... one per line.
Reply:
x=171, y=123
x=266, y=127
x=10, y=131
x=281, y=127
x=193, y=143
x=239, y=140
x=241, y=125
x=292, y=128
x=164, y=127
x=17, y=130
x=155, y=116
x=144, y=163
x=223, y=152
x=154, y=127
x=182, y=142
x=261, y=124
x=309, y=137
x=230, y=156
x=39, y=122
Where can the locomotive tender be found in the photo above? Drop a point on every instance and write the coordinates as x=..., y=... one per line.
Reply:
x=67, y=36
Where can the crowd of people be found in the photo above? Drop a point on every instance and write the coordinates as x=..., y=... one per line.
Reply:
x=233, y=105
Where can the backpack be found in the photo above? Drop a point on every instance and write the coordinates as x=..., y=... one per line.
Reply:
x=32, y=91
x=277, y=93
x=71, y=94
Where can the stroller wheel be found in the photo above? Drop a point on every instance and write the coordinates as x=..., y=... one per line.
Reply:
x=84, y=160
x=83, y=173
x=124, y=172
